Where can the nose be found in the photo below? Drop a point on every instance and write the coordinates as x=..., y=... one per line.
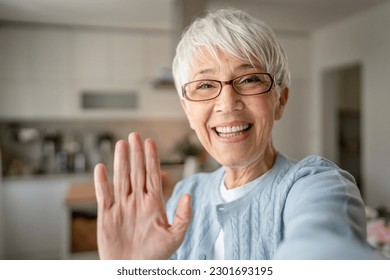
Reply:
x=228, y=100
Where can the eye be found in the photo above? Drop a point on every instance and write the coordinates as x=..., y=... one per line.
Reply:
x=249, y=79
x=205, y=85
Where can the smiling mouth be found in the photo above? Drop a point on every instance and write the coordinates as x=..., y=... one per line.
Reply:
x=232, y=131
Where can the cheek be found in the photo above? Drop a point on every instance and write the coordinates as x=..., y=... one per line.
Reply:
x=198, y=116
x=191, y=116
x=199, y=124
x=262, y=109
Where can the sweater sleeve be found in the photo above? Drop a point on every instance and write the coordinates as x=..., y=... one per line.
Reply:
x=324, y=217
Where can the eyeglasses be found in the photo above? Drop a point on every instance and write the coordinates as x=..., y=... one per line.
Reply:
x=245, y=85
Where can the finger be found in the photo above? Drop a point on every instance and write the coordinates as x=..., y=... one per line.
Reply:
x=121, y=170
x=153, y=172
x=137, y=164
x=102, y=187
x=182, y=218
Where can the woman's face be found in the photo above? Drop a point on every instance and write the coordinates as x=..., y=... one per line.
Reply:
x=251, y=117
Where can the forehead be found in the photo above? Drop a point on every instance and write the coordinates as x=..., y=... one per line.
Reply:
x=205, y=61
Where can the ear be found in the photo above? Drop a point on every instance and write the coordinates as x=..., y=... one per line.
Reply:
x=283, y=98
x=187, y=111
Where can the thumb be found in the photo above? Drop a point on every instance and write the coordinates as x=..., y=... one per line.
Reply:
x=182, y=218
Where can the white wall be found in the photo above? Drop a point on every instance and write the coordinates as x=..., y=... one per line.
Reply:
x=292, y=133
x=365, y=39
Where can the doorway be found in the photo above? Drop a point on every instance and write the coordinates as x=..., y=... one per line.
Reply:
x=342, y=118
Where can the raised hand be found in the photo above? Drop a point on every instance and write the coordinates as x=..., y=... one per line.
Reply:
x=132, y=222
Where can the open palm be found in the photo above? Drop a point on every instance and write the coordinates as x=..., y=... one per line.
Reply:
x=132, y=222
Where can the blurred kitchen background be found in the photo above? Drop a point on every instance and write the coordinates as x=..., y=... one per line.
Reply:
x=77, y=75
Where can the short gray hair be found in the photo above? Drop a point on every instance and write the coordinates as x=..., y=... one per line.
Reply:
x=234, y=32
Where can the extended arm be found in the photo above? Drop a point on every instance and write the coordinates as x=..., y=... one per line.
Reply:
x=324, y=219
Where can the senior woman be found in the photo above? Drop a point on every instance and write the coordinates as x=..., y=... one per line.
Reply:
x=232, y=77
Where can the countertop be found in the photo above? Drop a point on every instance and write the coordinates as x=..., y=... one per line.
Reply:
x=80, y=195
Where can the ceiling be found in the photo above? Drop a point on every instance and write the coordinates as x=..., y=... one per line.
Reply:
x=298, y=15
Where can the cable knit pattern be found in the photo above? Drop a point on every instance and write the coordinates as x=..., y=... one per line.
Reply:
x=234, y=221
x=276, y=214
x=255, y=236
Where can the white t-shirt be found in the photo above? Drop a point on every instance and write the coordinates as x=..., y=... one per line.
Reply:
x=229, y=196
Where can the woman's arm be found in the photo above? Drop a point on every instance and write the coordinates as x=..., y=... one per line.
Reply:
x=324, y=218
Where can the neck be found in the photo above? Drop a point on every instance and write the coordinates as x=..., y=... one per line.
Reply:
x=239, y=176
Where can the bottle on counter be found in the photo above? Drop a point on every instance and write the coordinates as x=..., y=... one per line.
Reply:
x=80, y=162
x=62, y=161
x=105, y=146
x=49, y=163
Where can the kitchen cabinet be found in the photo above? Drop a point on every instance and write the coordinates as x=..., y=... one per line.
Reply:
x=35, y=72
x=109, y=59
x=81, y=222
x=35, y=217
x=45, y=69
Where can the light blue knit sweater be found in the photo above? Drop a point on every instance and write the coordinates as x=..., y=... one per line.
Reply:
x=309, y=209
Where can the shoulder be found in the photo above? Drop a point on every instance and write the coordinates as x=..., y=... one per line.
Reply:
x=316, y=182
x=295, y=181
x=313, y=164
x=323, y=203
x=319, y=187
x=316, y=175
x=315, y=169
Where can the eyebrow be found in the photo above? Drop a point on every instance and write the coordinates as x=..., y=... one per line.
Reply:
x=246, y=66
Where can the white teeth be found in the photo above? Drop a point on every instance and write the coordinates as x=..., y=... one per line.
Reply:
x=232, y=129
